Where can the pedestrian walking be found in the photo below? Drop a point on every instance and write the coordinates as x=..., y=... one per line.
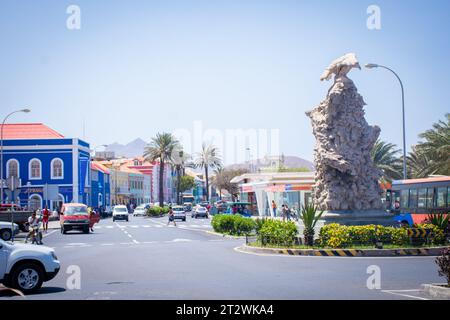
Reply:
x=288, y=212
x=283, y=212
x=171, y=217
x=274, y=208
x=45, y=217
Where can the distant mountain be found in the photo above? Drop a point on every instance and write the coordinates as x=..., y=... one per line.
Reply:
x=133, y=149
x=289, y=162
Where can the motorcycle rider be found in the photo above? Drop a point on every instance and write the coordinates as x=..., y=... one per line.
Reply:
x=34, y=224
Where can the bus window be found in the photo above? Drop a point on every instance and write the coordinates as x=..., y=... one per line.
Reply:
x=440, y=197
x=430, y=198
x=422, y=202
x=404, y=198
x=413, y=198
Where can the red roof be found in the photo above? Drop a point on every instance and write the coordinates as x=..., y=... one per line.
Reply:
x=29, y=131
x=99, y=167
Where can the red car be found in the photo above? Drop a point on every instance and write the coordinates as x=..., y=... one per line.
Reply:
x=75, y=216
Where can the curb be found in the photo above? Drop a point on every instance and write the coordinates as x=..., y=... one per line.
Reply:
x=223, y=235
x=346, y=252
x=437, y=291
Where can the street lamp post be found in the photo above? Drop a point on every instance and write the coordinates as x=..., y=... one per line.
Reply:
x=1, y=150
x=374, y=65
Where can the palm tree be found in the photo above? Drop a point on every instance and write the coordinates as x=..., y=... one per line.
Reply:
x=208, y=158
x=310, y=215
x=179, y=163
x=385, y=158
x=436, y=146
x=217, y=180
x=419, y=164
x=161, y=149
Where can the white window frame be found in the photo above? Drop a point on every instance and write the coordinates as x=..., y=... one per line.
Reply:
x=53, y=177
x=40, y=199
x=30, y=172
x=18, y=167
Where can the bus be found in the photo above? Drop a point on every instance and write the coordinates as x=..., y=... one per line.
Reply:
x=414, y=199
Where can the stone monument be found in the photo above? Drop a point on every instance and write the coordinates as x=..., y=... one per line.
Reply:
x=346, y=178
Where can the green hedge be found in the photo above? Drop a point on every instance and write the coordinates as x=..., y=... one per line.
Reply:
x=156, y=211
x=277, y=232
x=233, y=224
x=338, y=236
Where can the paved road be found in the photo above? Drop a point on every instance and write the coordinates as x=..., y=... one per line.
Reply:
x=146, y=259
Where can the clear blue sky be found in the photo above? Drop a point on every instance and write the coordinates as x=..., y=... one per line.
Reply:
x=139, y=67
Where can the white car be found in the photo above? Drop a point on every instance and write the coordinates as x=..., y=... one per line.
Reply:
x=140, y=210
x=179, y=213
x=25, y=267
x=120, y=213
x=7, y=230
x=200, y=212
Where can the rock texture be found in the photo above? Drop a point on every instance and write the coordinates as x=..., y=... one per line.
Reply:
x=346, y=177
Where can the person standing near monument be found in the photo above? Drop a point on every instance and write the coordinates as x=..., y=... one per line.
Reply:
x=274, y=208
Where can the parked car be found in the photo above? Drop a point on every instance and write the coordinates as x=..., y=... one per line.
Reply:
x=25, y=267
x=200, y=212
x=140, y=210
x=120, y=213
x=75, y=216
x=7, y=230
x=179, y=213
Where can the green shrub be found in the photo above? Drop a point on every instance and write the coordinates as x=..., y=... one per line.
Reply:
x=277, y=232
x=223, y=223
x=243, y=225
x=438, y=235
x=233, y=224
x=259, y=222
x=338, y=236
x=154, y=211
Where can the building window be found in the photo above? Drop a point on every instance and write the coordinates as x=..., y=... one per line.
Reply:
x=57, y=169
x=35, y=202
x=100, y=199
x=35, y=169
x=12, y=168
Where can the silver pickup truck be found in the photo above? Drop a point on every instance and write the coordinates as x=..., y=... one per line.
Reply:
x=18, y=217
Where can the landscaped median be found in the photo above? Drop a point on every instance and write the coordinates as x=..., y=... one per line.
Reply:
x=428, y=251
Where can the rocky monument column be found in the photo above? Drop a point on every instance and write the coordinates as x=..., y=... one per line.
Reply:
x=346, y=177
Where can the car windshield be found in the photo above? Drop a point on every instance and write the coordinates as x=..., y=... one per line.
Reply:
x=120, y=209
x=75, y=210
x=178, y=209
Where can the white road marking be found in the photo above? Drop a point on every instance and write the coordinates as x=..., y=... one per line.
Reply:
x=109, y=227
x=397, y=292
x=149, y=242
x=129, y=235
x=107, y=244
x=47, y=234
x=137, y=242
x=147, y=226
x=76, y=244
x=158, y=226
x=181, y=240
x=134, y=226
x=126, y=243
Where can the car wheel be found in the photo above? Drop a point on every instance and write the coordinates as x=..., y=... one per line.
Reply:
x=184, y=219
x=86, y=229
x=5, y=234
x=27, y=277
x=114, y=220
x=127, y=220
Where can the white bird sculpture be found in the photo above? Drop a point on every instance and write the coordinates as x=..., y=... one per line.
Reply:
x=340, y=67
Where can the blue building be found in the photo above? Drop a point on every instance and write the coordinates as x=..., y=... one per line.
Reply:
x=50, y=168
x=100, y=186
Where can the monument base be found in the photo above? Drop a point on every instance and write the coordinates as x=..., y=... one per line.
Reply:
x=358, y=217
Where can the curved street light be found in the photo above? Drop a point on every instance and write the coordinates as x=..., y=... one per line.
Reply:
x=374, y=65
x=1, y=149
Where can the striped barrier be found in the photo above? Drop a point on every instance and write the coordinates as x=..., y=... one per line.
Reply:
x=419, y=233
x=347, y=252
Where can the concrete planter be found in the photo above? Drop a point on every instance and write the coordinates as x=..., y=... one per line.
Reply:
x=437, y=290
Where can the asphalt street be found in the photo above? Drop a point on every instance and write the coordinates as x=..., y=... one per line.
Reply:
x=146, y=259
